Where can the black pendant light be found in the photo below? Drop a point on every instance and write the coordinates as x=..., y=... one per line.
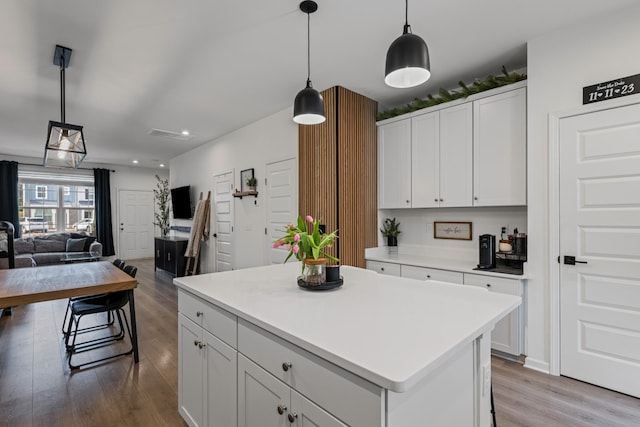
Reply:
x=308, y=108
x=407, y=59
x=65, y=142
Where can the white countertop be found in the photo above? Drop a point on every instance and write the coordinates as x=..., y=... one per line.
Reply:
x=462, y=264
x=391, y=331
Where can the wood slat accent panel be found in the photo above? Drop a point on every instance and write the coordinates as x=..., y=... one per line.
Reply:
x=338, y=172
x=317, y=178
x=357, y=172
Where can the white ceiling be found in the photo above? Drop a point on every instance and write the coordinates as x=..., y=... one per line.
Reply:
x=213, y=66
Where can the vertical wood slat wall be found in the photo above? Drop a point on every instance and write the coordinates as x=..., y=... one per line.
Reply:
x=338, y=172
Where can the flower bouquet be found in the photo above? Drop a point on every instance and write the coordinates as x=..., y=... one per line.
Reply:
x=307, y=244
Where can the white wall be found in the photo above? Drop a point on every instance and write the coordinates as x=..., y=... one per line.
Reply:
x=559, y=65
x=417, y=224
x=253, y=146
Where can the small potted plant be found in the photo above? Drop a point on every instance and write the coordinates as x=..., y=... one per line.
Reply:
x=252, y=183
x=390, y=229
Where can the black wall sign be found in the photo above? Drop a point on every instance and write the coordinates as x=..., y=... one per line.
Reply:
x=612, y=89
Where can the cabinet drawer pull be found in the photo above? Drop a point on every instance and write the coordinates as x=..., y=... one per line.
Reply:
x=435, y=200
x=199, y=313
x=488, y=285
x=408, y=201
x=475, y=198
x=381, y=268
x=286, y=366
x=428, y=276
x=292, y=417
x=281, y=409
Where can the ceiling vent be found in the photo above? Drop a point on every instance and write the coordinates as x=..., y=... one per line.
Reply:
x=169, y=134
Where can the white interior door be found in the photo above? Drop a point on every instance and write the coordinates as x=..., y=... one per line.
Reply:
x=223, y=220
x=600, y=226
x=135, y=225
x=282, y=204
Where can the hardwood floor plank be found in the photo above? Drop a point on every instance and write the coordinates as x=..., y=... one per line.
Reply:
x=37, y=388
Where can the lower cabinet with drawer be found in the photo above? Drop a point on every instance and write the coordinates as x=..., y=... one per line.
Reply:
x=508, y=335
x=207, y=365
x=384, y=267
x=424, y=273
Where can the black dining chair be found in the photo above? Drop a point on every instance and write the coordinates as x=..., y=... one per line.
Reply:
x=118, y=263
x=111, y=302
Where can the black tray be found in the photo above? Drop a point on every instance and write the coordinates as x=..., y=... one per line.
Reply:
x=323, y=287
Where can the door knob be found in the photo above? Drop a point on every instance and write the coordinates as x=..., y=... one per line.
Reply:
x=571, y=260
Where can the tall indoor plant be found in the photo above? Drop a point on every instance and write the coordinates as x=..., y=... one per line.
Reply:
x=161, y=197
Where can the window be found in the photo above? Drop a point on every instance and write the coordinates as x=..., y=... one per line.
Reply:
x=63, y=201
x=41, y=191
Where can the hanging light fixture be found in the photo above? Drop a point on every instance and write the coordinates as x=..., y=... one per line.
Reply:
x=65, y=144
x=407, y=59
x=308, y=107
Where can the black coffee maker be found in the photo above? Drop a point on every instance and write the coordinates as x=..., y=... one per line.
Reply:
x=487, y=252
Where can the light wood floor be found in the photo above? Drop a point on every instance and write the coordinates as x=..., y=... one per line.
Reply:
x=37, y=388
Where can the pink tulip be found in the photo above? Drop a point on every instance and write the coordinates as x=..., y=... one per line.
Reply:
x=277, y=244
x=289, y=247
x=309, y=218
x=296, y=249
x=296, y=238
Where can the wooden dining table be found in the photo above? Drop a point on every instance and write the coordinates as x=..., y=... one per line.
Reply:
x=19, y=286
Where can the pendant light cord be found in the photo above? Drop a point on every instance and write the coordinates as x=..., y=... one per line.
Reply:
x=308, y=48
x=407, y=27
x=62, y=88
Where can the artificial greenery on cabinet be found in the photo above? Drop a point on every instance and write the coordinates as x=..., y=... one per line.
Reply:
x=161, y=196
x=490, y=82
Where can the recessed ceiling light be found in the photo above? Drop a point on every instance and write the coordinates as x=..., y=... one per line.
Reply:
x=135, y=162
x=161, y=165
x=185, y=132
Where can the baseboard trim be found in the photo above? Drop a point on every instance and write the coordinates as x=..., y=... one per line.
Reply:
x=537, y=365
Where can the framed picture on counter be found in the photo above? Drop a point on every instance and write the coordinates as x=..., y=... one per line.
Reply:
x=452, y=230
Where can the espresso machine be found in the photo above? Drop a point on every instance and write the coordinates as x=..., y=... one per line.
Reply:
x=487, y=253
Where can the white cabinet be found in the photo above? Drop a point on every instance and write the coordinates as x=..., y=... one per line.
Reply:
x=456, y=156
x=263, y=400
x=508, y=333
x=424, y=273
x=207, y=383
x=500, y=149
x=394, y=165
x=384, y=267
x=471, y=154
x=206, y=365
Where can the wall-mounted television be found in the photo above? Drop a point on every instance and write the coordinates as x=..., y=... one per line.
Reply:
x=181, y=202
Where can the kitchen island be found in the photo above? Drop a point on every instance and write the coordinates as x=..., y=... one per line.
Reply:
x=256, y=350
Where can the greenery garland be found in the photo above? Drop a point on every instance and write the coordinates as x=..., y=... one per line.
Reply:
x=490, y=82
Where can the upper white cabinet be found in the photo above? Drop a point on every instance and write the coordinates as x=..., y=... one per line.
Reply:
x=500, y=149
x=456, y=156
x=394, y=165
x=469, y=154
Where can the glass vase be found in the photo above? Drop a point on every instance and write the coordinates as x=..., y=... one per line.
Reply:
x=314, y=271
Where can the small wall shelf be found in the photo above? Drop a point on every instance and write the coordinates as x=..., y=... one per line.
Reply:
x=241, y=194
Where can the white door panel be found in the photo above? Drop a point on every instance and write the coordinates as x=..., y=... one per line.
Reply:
x=223, y=220
x=135, y=225
x=600, y=225
x=282, y=204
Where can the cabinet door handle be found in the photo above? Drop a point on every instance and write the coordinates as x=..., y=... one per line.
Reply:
x=488, y=285
x=196, y=343
x=286, y=366
x=408, y=201
x=168, y=256
x=475, y=198
x=158, y=253
x=292, y=417
x=201, y=345
x=435, y=200
x=381, y=268
x=442, y=200
x=281, y=409
x=199, y=313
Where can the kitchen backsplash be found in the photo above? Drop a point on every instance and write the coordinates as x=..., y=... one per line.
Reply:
x=417, y=224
